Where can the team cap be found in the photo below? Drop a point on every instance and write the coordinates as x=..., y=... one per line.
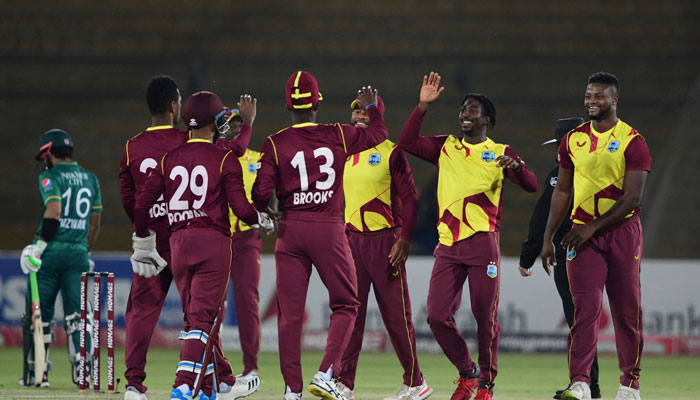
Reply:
x=202, y=108
x=380, y=104
x=302, y=91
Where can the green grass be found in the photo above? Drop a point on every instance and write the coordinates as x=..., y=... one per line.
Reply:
x=521, y=376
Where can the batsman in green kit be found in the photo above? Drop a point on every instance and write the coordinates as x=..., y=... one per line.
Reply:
x=59, y=253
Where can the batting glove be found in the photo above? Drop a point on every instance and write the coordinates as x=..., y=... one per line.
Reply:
x=146, y=261
x=30, y=260
x=266, y=223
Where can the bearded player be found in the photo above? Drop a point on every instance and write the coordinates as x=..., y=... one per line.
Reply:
x=471, y=173
x=304, y=164
x=198, y=181
x=606, y=163
x=380, y=213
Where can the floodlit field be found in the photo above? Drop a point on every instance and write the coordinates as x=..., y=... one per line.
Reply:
x=521, y=376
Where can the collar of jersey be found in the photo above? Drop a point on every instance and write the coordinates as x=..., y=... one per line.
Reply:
x=154, y=128
x=465, y=143
x=609, y=131
x=199, y=141
x=305, y=124
x=67, y=162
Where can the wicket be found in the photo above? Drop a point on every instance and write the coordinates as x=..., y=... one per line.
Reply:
x=96, y=293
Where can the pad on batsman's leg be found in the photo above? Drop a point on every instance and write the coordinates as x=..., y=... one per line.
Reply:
x=39, y=350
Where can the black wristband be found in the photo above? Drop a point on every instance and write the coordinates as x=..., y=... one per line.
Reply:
x=49, y=228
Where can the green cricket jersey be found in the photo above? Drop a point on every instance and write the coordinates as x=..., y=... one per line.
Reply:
x=78, y=191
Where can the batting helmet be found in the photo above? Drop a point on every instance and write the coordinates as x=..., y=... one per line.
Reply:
x=51, y=139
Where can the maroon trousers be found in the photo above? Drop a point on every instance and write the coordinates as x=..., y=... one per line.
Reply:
x=611, y=259
x=201, y=263
x=319, y=239
x=245, y=274
x=146, y=299
x=370, y=251
x=478, y=258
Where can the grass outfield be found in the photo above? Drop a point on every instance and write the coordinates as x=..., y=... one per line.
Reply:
x=522, y=376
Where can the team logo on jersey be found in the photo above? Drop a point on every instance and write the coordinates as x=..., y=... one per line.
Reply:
x=553, y=181
x=253, y=167
x=614, y=146
x=46, y=183
x=375, y=159
x=570, y=254
x=492, y=270
x=488, y=156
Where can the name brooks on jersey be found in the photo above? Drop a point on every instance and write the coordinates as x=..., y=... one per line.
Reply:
x=301, y=198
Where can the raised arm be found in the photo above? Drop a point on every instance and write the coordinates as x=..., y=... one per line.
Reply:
x=402, y=182
x=424, y=148
x=235, y=191
x=247, y=106
x=359, y=139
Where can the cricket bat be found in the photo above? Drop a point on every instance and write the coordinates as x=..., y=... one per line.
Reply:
x=39, y=351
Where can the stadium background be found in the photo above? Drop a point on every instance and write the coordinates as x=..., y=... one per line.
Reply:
x=83, y=66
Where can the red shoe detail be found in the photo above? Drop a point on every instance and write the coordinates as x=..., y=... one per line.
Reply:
x=465, y=388
x=484, y=394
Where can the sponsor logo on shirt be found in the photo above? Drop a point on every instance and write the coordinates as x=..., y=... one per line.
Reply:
x=488, y=156
x=253, y=167
x=570, y=254
x=492, y=270
x=46, y=184
x=614, y=146
x=579, y=144
x=375, y=159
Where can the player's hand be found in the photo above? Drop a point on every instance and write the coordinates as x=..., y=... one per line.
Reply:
x=548, y=257
x=247, y=106
x=507, y=162
x=524, y=271
x=399, y=252
x=30, y=260
x=145, y=260
x=366, y=96
x=430, y=91
x=577, y=236
x=266, y=223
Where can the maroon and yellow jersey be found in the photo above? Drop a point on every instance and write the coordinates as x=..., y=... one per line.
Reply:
x=142, y=154
x=599, y=161
x=304, y=164
x=470, y=184
x=378, y=185
x=198, y=181
x=250, y=163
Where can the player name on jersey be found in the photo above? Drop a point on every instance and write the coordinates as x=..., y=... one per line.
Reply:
x=179, y=216
x=300, y=198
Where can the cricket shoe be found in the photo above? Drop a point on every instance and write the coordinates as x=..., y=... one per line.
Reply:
x=420, y=392
x=132, y=393
x=325, y=389
x=182, y=392
x=595, y=392
x=345, y=391
x=485, y=392
x=577, y=391
x=466, y=385
x=627, y=393
x=242, y=388
x=292, y=396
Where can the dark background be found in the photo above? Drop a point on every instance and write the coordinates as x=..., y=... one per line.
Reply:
x=84, y=66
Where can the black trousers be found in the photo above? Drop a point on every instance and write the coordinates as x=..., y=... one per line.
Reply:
x=561, y=279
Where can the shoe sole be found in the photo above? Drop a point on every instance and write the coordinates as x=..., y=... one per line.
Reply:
x=569, y=396
x=318, y=392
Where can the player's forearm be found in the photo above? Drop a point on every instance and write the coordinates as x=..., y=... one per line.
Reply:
x=95, y=222
x=557, y=211
x=622, y=207
x=241, y=142
x=410, y=140
x=409, y=215
x=524, y=178
x=376, y=131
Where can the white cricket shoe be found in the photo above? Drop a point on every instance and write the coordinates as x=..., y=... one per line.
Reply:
x=577, y=391
x=400, y=393
x=132, y=393
x=325, y=389
x=627, y=393
x=242, y=388
x=345, y=391
x=420, y=392
x=292, y=396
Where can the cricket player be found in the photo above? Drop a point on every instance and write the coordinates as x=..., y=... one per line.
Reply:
x=380, y=213
x=59, y=254
x=533, y=245
x=304, y=164
x=198, y=182
x=606, y=163
x=141, y=155
x=246, y=248
x=471, y=174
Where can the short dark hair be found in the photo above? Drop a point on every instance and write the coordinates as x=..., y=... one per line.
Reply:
x=161, y=91
x=489, y=108
x=62, y=152
x=606, y=78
